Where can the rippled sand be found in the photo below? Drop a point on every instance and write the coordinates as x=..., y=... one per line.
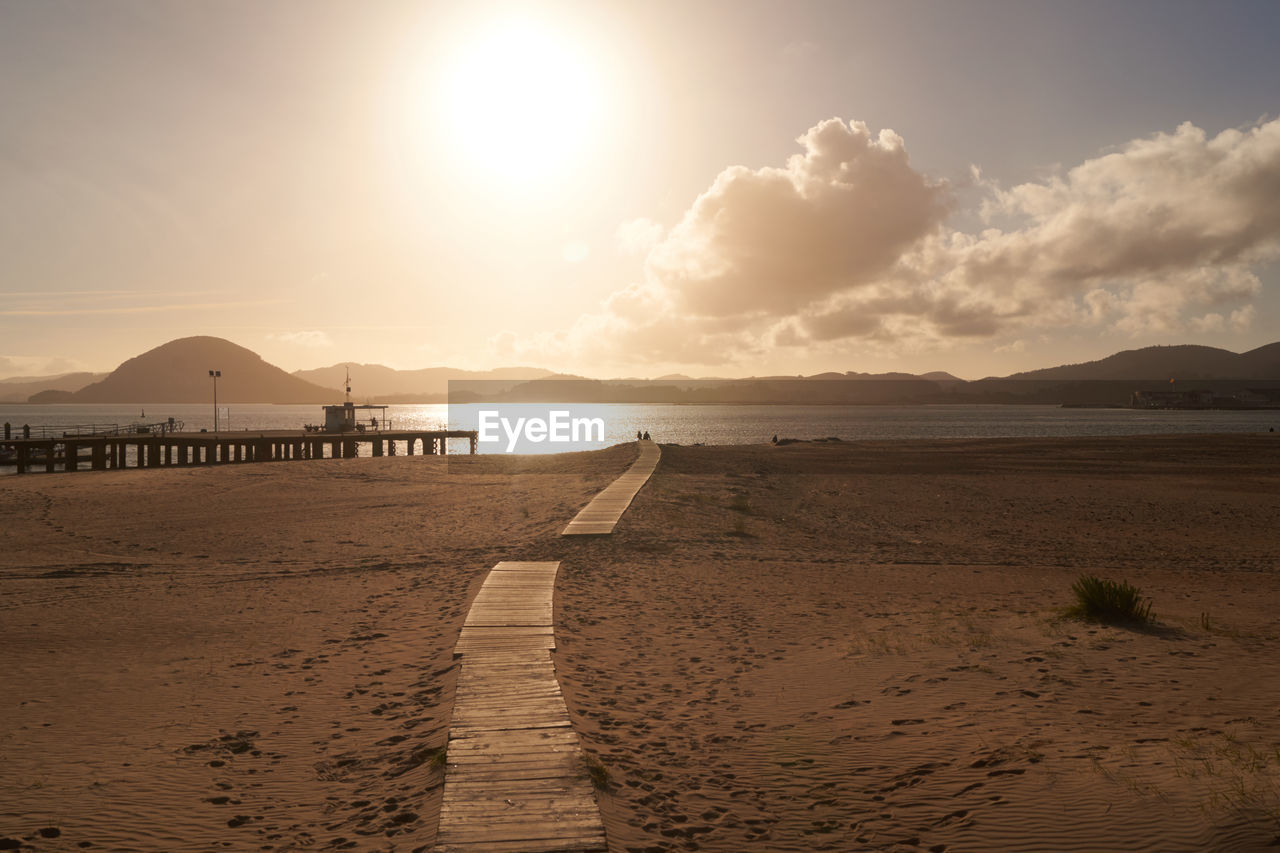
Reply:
x=249, y=657
x=843, y=648
x=809, y=647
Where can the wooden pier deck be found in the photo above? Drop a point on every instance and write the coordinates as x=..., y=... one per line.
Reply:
x=599, y=517
x=163, y=450
x=515, y=780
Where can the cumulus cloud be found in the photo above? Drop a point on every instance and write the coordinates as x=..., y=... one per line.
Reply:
x=1145, y=237
x=774, y=240
x=849, y=242
x=309, y=339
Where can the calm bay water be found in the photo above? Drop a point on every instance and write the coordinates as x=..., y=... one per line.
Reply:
x=710, y=424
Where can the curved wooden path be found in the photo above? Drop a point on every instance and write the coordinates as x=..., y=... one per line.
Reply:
x=599, y=517
x=515, y=780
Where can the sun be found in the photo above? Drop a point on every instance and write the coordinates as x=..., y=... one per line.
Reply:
x=520, y=102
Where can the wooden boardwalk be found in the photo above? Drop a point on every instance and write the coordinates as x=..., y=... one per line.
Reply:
x=515, y=780
x=599, y=517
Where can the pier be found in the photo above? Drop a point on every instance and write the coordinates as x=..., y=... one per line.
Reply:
x=168, y=449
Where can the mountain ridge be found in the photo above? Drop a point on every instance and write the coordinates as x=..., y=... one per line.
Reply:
x=18, y=389
x=378, y=380
x=1177, y=361
x=177, y=372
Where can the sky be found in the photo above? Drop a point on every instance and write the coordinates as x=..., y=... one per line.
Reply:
x=634, y=189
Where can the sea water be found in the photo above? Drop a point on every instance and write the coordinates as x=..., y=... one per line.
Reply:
x=684, y=424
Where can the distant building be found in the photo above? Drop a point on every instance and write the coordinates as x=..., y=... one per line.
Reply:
x=1171, y=400
x=1264, y=397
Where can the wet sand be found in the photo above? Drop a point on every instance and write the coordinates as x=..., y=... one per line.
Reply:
x=809, y=647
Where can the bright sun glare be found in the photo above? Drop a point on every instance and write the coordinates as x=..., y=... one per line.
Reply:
x=520, y=102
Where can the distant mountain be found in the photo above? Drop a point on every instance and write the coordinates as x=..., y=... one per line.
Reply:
x=377, y=381
x=941, y=377
x=800, y=390
x=1261, y=362
x=20, y=388
x=1183, y=362
x=178, y=372
x=1112, y=380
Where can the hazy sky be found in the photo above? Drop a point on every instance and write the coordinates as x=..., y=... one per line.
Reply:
x=720, y=188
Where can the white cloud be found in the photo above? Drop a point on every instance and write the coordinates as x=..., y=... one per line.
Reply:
x=308, y=339
x=775, y=240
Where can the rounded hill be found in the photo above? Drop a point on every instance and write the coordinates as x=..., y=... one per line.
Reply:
x=178, y=372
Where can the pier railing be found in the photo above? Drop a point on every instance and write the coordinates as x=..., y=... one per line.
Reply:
x=46, y=431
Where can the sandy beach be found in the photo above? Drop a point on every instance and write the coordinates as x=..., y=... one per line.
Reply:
x=812, y=647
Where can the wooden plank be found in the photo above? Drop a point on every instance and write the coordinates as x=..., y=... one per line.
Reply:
x=514, y=779
x=513, y=811
x=501, y=771
x=534, y=710
x=512, y=677
x=469, y=730
x=495, y=843
x=502, y=698
x=513, y=642
x=513, y=743
x=532, y=828
x=500, y=709
x=488, y=744
x=518, y=767
x=599, y=517
x=516, y=788
x=520, y=680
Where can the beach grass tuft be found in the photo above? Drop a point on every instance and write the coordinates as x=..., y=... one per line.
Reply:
x=596, y=772
x=1110, y=602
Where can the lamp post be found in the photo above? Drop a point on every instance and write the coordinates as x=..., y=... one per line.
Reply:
x=214, y=374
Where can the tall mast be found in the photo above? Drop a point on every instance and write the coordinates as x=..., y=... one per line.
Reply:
x=348, y=383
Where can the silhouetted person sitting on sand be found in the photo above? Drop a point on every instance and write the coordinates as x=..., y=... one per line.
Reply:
x=775, y=439
x=646, y=435
x=638, y=435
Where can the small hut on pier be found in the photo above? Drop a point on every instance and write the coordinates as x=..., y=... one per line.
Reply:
x=343, y=418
